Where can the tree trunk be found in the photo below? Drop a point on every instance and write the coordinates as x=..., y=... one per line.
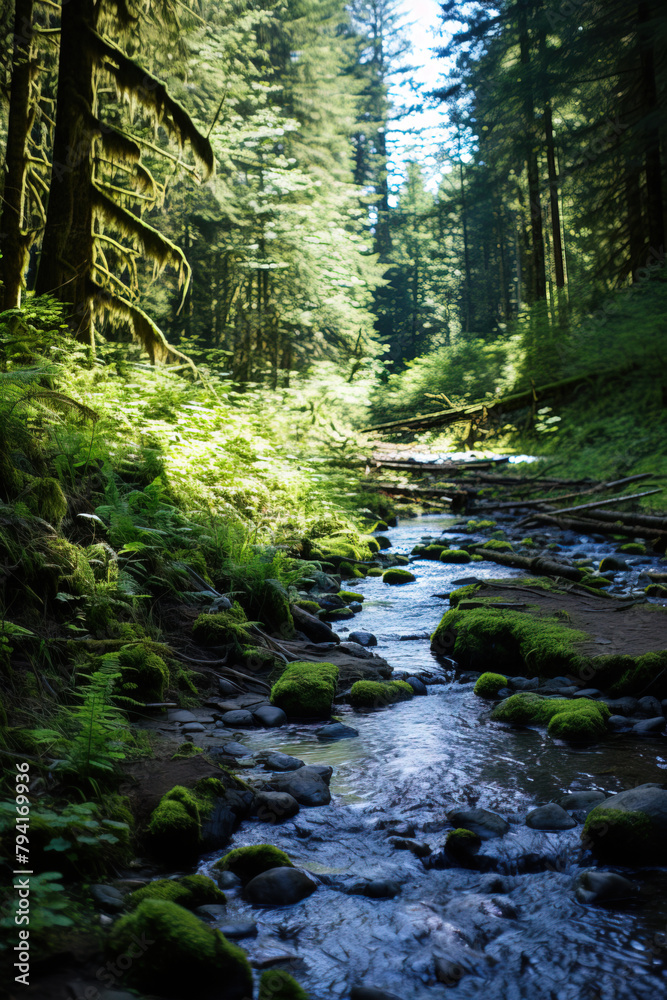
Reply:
x=14, y=242
x=67, y=247
x=653, y=165
x=553, y=196
x=538, y=275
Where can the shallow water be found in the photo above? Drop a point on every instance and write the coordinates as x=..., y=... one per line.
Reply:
x=520, y=935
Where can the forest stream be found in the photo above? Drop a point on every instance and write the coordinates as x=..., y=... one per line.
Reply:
x=512, y=927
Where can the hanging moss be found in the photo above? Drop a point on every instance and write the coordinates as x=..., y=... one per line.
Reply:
x=306, y=690
x=247, y=862
x=180, y=943
x=374, y=694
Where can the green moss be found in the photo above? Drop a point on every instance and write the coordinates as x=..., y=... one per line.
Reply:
x=276, y=984
x=371, y=543
x=223, y=627
x=432, y=551
x=643, y=674
x=190, y=891
x=380, y=526
x=247, y=862
x=145, y=675
x=528, y=543
x=400, y=560
x=175, y=825
x=463, y=593
x=102, y=560
x=475, y=557
x=655, y=590
x=180, y=946
x=312, y=607
x=398, y=576
x=374, y=694
x=375, y=571
x=542, y=644
x=350, y=595
x=47, y=500
x=569, y=719
x=335, y=615
x=348, y=546
x=632, y=549
x=462, y=843
x=497, y=545
x=479, y=525
x=618, y=836
x=306, y=690
x=455, y=556
x=348, y=571
x=488, y=685
x=65, y=567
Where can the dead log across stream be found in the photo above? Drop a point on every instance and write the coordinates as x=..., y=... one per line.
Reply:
x=598, y=488
x=587, y=525
x=439, y=469
x=506, y=404
x=537, y=565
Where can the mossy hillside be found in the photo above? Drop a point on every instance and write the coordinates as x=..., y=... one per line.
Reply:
x=190, y=891
x=510, y=639
x=306, y=690
x=375, y=694
x=488, y=685
x=619, y=836
x=247, y=862
x=276, y=984
x=578, y=718
x=144, y=674
x=223, y=627
x=181, y=946
x=455, y=556
x=396, y=577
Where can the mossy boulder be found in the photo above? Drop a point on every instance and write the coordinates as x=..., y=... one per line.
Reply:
x=181, y=947
x=463, y=594
x=348, y=571
x=306, y=690
x=488, y=685
x=375, y=571
x=335, y=614
x=222, y=627
x=276, y=984
x=312, y=607
x=632, y=549
x=655, y=590
x=175, y=825
x=479, y=524
x=398, y=576
x=643, y=674
x=145, y=675
x=190, y=891
x=629, y=828
x=247, y=862
x=498, y=545
x=432, y=551
x=350, y=595
x=455, y=556
x=462, y=844
x=375, y=694
x=543, y=644
x=573, y=719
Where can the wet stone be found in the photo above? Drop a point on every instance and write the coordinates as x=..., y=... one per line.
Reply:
x=228, y=880
x=603, y=887
x=236, y=750
x=484, y=823
x=577, y=801
x=193, y=727
x=649, y=707
x=378, y=888
x=107, y=897
x=336, y=731
x=618, y=723
x=550, y=817
x=417, y=685
x=649, y=726
x=226, y=687
x=270, y=716
x=280, y=887
x=274, y=807
x=211, y=911
x=363, y=638
x=181, y=715
x=239, y=718
x=236, y=931
x=277, y=761
x=403, y=844
x=523, y=683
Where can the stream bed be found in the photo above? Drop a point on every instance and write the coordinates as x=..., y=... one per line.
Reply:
x=514, y=930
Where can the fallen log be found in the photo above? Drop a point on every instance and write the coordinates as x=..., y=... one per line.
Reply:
x=445, y=468
x=631, y=518
x=603, y=503
x=587, y=526
x=571, y=496
x=506, y=404
x=537, y=565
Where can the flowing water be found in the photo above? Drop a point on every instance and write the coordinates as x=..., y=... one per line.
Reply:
x=516, y=930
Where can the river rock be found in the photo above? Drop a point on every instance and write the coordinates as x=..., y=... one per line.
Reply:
x=650, y=726
x=355, y=606
x=417, y=685
x=237, y=931
x=482, y=822
x=356, y=649
x=363, y=638
x=313, y=628
x=523, y=683
x=181, y=715
x=226, y=687
x=403, y=844
x=226, y=814
x=649, y=707
x=377, y=888
x=603, y=887
x=336, y=731
x=211, y=911
x=270, y=716
x=280, y=887
x=227, y=880
x=240, y=718
x=618, y=723
x=306, y=784
x=621, y=706
x=273, y=807
x=236, y=749
x=550, y=817
x=107, y=896
x=277, y=761
x=589, y=693
x=580, y=801
x=639, y=838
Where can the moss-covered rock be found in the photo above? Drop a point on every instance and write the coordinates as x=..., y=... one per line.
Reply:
x=375, y=571
x=247, y=862
x=619, y=836
x=455, y=556
x=276, y=984
x=488, y=685
x=174, y=828
x=46, y=499
x=480, y=524
x=190, y=891
x=350, y=595
x=432, y=551
x=350, y=572
x=64, y=567
x=312, y=607
x=145, y=675
x=223, y=627
x=463, y=594
x=655, y=590
x=498, y=545
x=335, y=614
x=462, y=844
x=181, y=947
x=375, y=694
x=398, y=576
x=578, y=718
x=642, y=674
x=306, y=690
x=632, y=549
x=543, y=644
